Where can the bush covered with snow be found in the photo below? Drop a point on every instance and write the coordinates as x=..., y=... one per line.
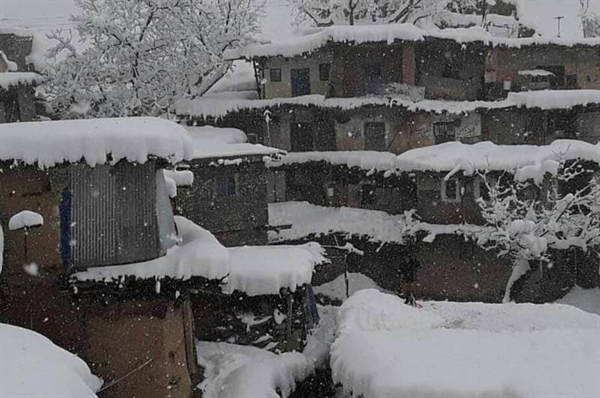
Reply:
x=32, y=366
x=385, y=348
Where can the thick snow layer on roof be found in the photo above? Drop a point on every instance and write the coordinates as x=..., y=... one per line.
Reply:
x=181, y=178
x=336, y=289
x=93, y=140
x=232, y=370
x=25, y=218
x=204, y=107
x=11, y=79
x=258, y=270
x=307, y=220
x=253, y=270
x=216, y=142
x=200, y=254
x=525, y=161
x=505, y=349
x=389, y=33
x=32, y=366
x=366, y=160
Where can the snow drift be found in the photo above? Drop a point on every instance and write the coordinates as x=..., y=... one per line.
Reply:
x=32, y=366
x=385, y=348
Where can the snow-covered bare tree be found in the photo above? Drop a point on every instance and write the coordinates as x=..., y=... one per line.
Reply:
x=527, y=219
x=590, y=20
x=353, y=12
x=141, y=54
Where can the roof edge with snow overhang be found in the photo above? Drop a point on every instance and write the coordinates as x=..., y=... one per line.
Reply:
x=94, y=141
x=388, y=34
x=204, y=107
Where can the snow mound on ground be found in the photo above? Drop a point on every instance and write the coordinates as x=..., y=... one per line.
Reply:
x=94, y=141
x=587, y=300
x=200, y=254
x=386, y=349
x=320, y=338
x=258, y=270
x=247, y=372
x=336, y=289
x=32, y=366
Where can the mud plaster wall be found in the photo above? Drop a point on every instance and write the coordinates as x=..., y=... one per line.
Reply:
x=124, y=336
x=30, y=189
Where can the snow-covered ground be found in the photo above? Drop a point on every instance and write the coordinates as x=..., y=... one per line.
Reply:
x=32, y=366
x=336, y=289
x=385, y=348
x=585, y=299
x=232, y=370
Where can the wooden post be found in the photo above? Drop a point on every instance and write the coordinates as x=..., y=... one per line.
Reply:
x=290, y=315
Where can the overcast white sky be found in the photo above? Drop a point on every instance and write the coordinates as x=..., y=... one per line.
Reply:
x=54, y=13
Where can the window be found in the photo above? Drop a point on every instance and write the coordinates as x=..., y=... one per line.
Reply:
x=324, y=70
x=451, y=190
x=374, y=133
x=300, y=80
x=373, y=70
x=444, y=132
x=367, y=195
x=275, y=75
x=480, y=188
x=252, y=138
x=227, y=185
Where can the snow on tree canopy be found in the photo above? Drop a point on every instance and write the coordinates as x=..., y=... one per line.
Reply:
x=11, y=79
x=464, y=349
x=24, y=219
x=94, y=141
x=525, y=161
x=32, y=366
x=389, y=33
x=220, y=107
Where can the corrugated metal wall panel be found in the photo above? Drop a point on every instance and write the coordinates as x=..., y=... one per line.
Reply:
x=113, y=214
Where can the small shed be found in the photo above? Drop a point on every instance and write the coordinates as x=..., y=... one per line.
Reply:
x=96, y=183
x=229, y=194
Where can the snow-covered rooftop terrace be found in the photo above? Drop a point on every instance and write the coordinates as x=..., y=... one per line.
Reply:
x=94, y=141
x=217, y=107
x=214, y=142
x=384, y=348
x=388, y=34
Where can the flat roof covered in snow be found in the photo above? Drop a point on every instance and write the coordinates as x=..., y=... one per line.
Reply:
x=558, y=99
x=390, y=33
x=94, y=141
x=216, y=142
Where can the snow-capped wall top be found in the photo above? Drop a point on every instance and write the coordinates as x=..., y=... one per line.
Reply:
x=525, y=161
x=214, y=142
x=389, y=33
x=93, y=141
x=10, y=65
x=557, y=99
x=10, y=79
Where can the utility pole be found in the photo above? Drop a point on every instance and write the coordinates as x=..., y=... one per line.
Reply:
x=558, y=20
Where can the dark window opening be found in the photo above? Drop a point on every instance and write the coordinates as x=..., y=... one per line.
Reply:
x=275, y=75
x=252, y=138
x=300, y=82
x=367, y=195
x=373, y=70
x=444, y=132
x=451, y=191
x=374, y=133
x=302, y=137
x=227, y=185
x=484, y=192
x=324, y=70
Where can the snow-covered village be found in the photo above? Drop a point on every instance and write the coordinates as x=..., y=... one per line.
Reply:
x=299, y=198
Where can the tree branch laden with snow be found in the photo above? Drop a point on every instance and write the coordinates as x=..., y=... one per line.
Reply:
x=143, y=54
